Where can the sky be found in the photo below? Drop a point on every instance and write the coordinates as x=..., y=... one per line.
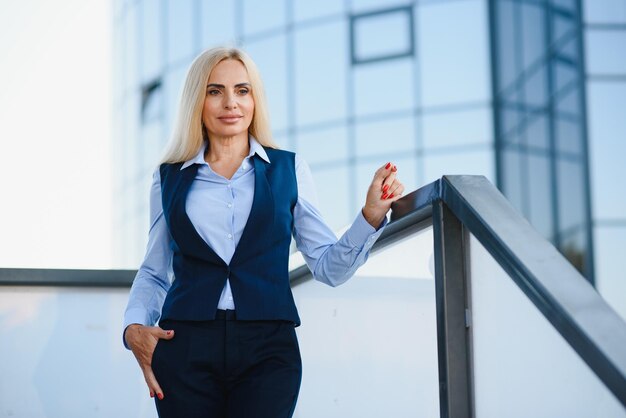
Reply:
x=55, y=127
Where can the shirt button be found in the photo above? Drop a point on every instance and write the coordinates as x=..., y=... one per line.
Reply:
x=230, y=205
x=228, y=185
x=230, y=236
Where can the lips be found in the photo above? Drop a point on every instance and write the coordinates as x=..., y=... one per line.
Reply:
x=230, y=118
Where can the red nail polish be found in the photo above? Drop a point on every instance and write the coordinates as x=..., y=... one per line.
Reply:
x=169, y=332
x=384, y=196
x=160, y=396
x=391, y=195
x=152, y=394
x=394, y=168
x=385, y=188
x=387, y=166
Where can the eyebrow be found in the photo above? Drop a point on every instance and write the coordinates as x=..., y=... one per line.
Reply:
x=221, y=86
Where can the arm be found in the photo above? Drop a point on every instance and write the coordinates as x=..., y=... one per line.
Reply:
x=330, y=260
x=148, y=292
x=151, y=282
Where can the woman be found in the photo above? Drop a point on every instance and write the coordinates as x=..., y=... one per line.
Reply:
x=224, y=205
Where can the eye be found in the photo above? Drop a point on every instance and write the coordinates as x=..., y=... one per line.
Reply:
x=244, y=91
x=212, y=92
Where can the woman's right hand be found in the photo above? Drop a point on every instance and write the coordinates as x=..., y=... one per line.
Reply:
x=142, y=340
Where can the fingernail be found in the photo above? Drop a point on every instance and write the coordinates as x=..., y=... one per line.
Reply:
x=151, y=394
x=387, y=166
x=160, y=396
x=384, y=196
x=169, y=332
x=394, y=168
x=385, y=188
x=391, y=195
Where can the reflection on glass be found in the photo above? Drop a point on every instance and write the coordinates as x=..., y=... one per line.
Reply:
x=370, y=345
x=73, y=335
x=518, y=356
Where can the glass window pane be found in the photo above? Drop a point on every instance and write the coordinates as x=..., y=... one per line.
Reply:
x=536, y=88
x=480, y=162
x=151, y=40
x=564, y=75
x=385, y=136
x=323, y=145
x=218, y=23
x=174, y=82
x=373, y=5
x=607, y=147
x=37, y=323
x=506, y=40
x=384, y=87
x=569, y=103
x=609, y=243
x=345, y=336
x=605, y=52
x=571, y=194
x=181, y=44
x=537, y=131
x=540, y=199
x=562, y=26
x=518, y=355
x=332, y=185
x=449, y=129
x=259, y=16
x=369, y=44
x=533, y=33
x=574, y=248
x=273, y=68
x=320, y=76
x=569, y=136
x=305, y=10
x=605, y=11
x=131, y=56
x=512, y=186
x=453, y=52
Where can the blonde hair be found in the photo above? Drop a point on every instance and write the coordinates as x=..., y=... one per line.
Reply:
x=187, y=135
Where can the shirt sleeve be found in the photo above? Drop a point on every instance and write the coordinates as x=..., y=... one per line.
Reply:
x=332, y=261
x=152, y=280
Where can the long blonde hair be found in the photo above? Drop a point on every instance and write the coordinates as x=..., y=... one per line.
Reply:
x=187, y=135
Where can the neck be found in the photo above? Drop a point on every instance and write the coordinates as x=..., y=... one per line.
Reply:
x=227, y=148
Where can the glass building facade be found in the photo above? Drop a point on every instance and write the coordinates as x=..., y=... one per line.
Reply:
x=489, y=87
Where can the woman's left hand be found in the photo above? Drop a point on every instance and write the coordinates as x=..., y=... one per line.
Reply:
x=384, y=190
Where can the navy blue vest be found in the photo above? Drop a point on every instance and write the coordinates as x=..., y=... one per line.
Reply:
x=258, y=270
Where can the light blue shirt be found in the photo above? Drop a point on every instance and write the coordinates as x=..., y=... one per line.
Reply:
x=219, y=208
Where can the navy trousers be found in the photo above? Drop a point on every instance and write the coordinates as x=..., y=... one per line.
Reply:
x=228, y=369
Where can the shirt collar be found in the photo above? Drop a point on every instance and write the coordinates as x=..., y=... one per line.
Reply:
x=255, y=148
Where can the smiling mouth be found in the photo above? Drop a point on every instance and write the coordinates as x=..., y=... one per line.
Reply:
x=230, y=118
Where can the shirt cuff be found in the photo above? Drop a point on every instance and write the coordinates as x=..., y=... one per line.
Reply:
x=361, y=233
x=134, y=316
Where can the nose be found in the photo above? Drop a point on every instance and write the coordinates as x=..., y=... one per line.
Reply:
x=229, y=101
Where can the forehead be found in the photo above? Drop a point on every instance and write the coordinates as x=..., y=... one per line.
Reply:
x=229, y=70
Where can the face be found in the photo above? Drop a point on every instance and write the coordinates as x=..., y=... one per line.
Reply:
x=228, y=105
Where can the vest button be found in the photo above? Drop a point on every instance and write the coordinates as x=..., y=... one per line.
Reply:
x=230, y=236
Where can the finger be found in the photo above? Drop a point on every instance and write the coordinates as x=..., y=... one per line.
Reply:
x=393, y=187
x=387, y=183
x=381, y=173
x=397, y=194
x=152, y=383
x=165, y=334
